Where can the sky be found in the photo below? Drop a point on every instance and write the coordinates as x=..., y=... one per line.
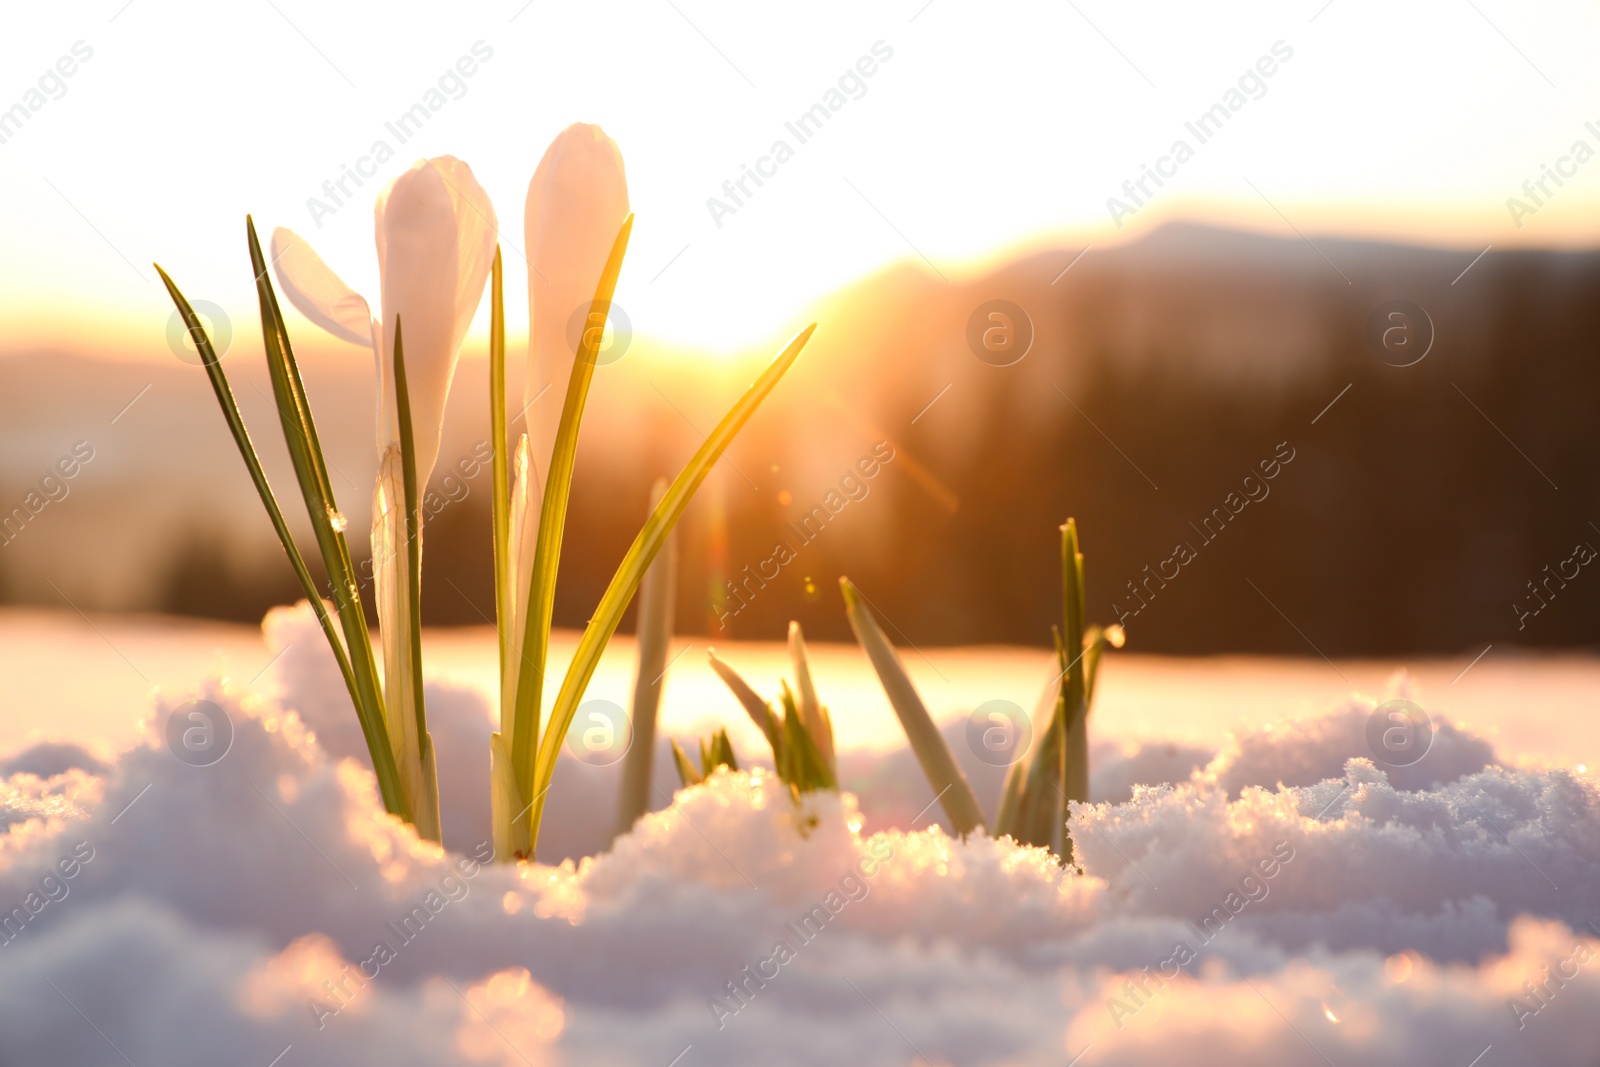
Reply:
x=980, y=131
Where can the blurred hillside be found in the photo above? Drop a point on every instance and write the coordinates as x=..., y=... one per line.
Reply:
x=1412, y=517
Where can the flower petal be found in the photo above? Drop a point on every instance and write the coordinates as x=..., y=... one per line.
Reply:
x=435, y=234
x=477, y=229
x=577, y=202
x=317, y=292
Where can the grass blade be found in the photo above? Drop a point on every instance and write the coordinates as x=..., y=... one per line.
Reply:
x=1011, y=792
x=721, y=752
x=629, y=573
x=716, y=751
x=811, y=714
x=305, y=452
x=252, y=462
x=541, y=591
x=656, y=596
x=940, y=766
x=803, y=766
x=1041, y=781
x=425, y=806
x=1043, y=799
x=372, y=727
x=1072, y=612
x=1095, y=641
x=758, y=710
x=686, y=769
x=1074, y=703
x=1063, y=729
x=1059, y=772
x=500, y=490
x=505, y=799
x=1014, y=812
x=523, y=531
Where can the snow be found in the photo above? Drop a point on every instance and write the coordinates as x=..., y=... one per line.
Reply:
x=1277, y=897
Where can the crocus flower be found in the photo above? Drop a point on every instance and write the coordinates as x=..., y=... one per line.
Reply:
x=577, y=201
x=436, y=235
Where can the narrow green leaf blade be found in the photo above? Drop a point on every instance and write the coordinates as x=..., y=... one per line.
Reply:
x=686, y=769
x=540, y=599
x=372, y=725
x=806, y=770
x=938, y=763
x=656, y=596
x=806, y=695
x=252, y=462
x=500, y=471
x=426, y=808
x=305, y=452
x=724, y=751
x=629, y=573
x=1011, y=792
x=758, y=710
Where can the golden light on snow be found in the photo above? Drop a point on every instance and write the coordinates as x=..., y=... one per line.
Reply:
x=285, y=982
x=508, y=1019
x=478, y=1014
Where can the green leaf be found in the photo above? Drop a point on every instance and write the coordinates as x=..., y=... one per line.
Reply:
x=803, y=767
x=686, y=769
x=758, y=710
x=247, y=449
x=1063, y=729
x=811, y=713
x=938, y=763
x=716, y=751
x=629, y=573
x=1020, y=784
x=1095, y=642
x=1011, y=793
x=722, y=750
x=654, y=627
x=369, y=715
x=1072, y=612
x=426, y=811
x=1059, y=770
x=1075, y=688
x=540, y=599
x=305, y=453
x=500, y=498
x=1042, y=798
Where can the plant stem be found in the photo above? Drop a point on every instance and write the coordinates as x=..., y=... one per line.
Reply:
x=654, y=628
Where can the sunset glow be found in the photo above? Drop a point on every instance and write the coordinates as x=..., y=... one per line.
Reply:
x=1413, y=124
x=696, y=534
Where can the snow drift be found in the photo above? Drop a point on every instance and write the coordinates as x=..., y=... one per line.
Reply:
x=1282, y=900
